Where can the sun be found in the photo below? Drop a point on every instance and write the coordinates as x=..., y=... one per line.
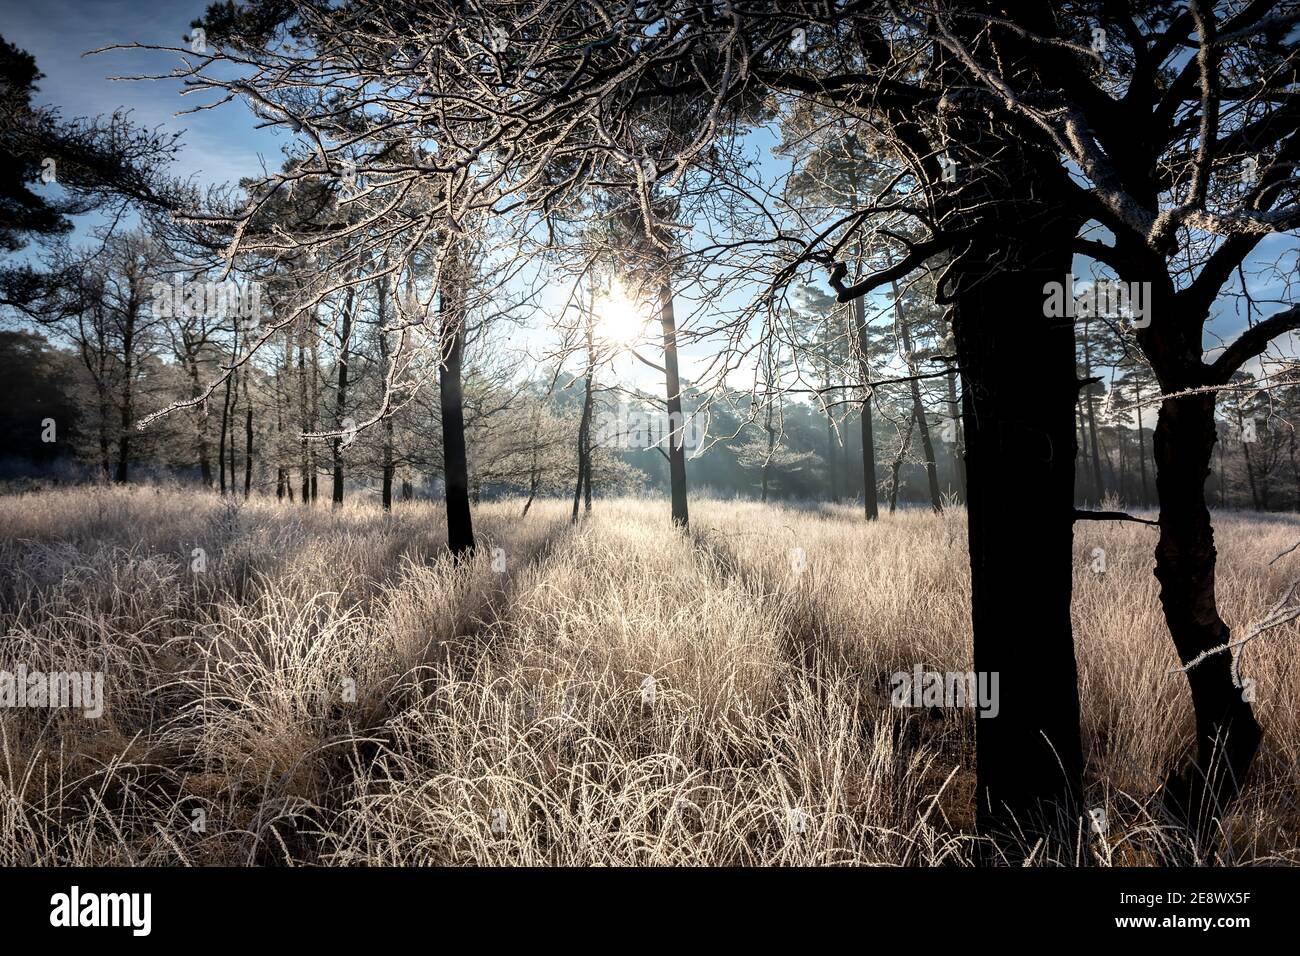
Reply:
x=619, y=319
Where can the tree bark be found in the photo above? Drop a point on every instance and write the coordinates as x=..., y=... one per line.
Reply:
x=676, y=423
x=1227, y=734
x=200, y=418
x=225, y=431
x=1091, y=406
x=584, y=433
x=958, y=445
x=248, y=449
x=870, y=491
x=304, y=423
x=341, y=396
x=387, y=463
x=918, y=408
x=460, y=526
x=128, y=391
x=1142, y=449
x=897, y=466
x=1020, y=458
x=313, y=390
x=771, y=445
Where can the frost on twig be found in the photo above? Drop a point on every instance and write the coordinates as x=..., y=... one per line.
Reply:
x=1284, y=610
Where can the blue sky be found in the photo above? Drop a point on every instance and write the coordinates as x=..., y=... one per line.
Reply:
x=223, y=145
x=219, y=145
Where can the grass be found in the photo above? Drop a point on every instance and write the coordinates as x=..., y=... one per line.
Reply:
x=330, y=689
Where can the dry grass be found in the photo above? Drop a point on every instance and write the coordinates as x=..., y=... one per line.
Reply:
x=499, y=715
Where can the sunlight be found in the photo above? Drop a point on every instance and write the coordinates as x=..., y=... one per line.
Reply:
x=620, y=320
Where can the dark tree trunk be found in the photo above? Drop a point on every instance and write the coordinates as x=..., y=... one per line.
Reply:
x=1142, y=450
x=918, y=408
x=304, y=424
x=958, y=446
x=771, y=445
x=105, y=444
x=1091, y=492
x=200, y=422
x=460, y=526
x=677, y=424
x=233, y=403
x=225, y=431
x=1227, y=734
x=896, y=468
x=533, y=478
x=583, y=485
x=1020, y=458
x=1295, y=470
x=341, y=397
x=832, y=457
x=313, y=390
x=1256, y=499
x=248, y=450
x=870, y=491
x=128, y=393
x=1091, y=406
x=388, y=467
x=586, y=477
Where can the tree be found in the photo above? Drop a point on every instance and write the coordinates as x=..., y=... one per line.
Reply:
x=560, y=117
x=1161, y=170
x=97, y=163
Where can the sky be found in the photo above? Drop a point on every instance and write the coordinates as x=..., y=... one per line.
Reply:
x=224, y=144
x=219, y=145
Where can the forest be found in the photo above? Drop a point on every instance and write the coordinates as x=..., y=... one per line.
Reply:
x=671, y=433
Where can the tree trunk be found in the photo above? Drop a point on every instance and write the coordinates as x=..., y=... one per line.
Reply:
x=1295, y=469
x=341, y=396
x=105, y=444
x=1082, y=469
x=584, y=432
x=1256, y=500
x=128, y=393
x=304, y=423
x=958, y=446
x=1020, y=464
x=583, y=425
x=248, y=449
x=904, y=444
x=677, y=424
x=233, y=403
x=1091, y=406
x=313, y=392
x=918, y=408
x=200, y=421
x=460, y=526
x=870, y=491
x=533, y=478
x=1142, y=450
x=1227, y=734
x=388, y=469
x=225, y=431
x=771, y=445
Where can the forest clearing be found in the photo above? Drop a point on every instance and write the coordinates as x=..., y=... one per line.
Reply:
x=499, y=710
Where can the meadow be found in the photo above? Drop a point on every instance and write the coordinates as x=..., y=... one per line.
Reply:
x=316, y=686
